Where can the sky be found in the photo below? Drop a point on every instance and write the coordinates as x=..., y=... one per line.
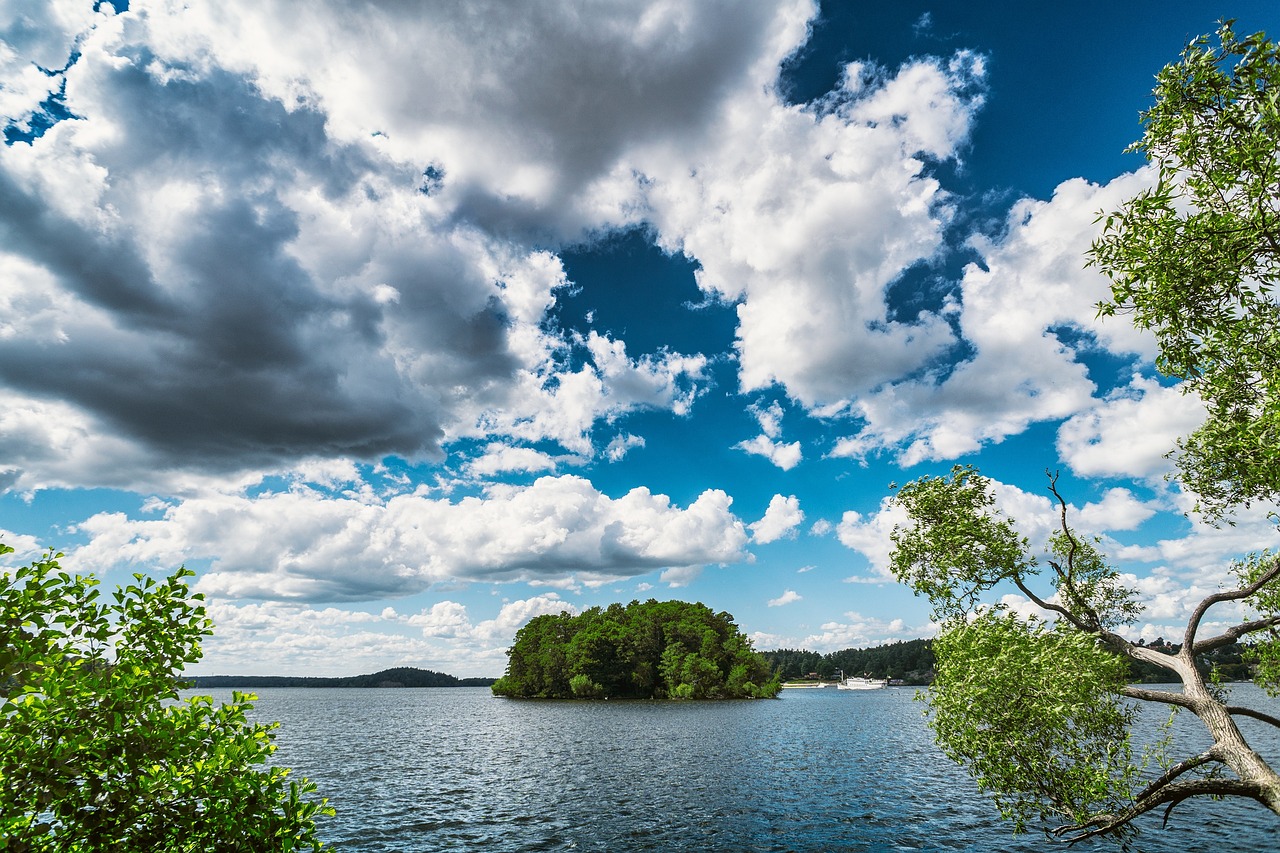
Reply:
x=401, y=324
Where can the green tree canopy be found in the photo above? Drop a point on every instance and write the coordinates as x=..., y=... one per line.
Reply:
x=1038, y=709
x=650, y=650
x=1196, y=259
x=98, y=752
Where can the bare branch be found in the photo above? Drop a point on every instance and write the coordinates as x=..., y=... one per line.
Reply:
x=1171, y=794
x=1053, y=608
x=1161, y=696
x=1175, y=771
x=1257, y=715
x=1093, y=619
x=1234, y=633
x=1193, y=624
x=1144, y=654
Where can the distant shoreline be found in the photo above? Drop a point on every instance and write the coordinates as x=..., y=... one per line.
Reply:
x=388, y=678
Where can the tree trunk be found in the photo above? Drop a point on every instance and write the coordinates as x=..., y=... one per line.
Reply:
x=1229, y=743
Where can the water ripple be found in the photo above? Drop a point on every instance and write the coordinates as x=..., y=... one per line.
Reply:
x=458, y=769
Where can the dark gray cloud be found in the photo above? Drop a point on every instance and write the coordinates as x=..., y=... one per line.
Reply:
x=227, y=260
x=205, y=337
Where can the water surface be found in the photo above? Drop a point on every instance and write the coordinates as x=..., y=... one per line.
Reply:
x=817, y=770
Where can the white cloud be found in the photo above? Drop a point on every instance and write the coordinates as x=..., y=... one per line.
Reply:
x=282, y=638
x=503, y=459
x=808, y=214
x=1014, y=307
x=679, y=576
x=25, y=548
x=1130, y=432
x=305, y=544
x=449, y=619
x=621, y=445
x=275, y=638
x=786, y=598
x=785, y=456
x=781, y=519
x=1118, y=510
x=388, y=290
x=861, y=632
x=869, y=535
x=770, y=419
x=1036, y=516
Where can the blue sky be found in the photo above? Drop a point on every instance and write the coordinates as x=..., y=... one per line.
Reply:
x=403, y=324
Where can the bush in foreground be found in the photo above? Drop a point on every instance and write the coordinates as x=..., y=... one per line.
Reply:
x=98, y=752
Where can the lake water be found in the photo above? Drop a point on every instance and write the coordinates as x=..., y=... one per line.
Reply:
x=817, y=770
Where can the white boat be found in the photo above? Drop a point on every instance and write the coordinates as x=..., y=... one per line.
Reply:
x=807, y=685
x=858, y=682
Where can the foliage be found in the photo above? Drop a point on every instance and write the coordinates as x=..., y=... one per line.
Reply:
x=96, y=750
x=1263, y=655
x=959, y=549
x=1035, y=711
x=1196, y=258
x=654, y=650
x=1001, y=706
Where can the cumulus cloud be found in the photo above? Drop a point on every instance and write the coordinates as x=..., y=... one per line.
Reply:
x=304, y=544
x=314, y=263
x=679, y=576
x=1118, y=510
x=1035, y=516
x=786, y=598
x=807, y=214
x=503, y=459
x=274, y=638
x=25, y=548
x=271, y=638
x=449, y=619
x=621, y=445
x=869, y=536
x=785, y=456
x=1131, y=432
x=780, y=519
x=1027, y=312
x=860, y=632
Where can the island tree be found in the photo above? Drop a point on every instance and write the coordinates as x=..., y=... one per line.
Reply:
x=1039, y=710
x=650, y=650
x=97, y=749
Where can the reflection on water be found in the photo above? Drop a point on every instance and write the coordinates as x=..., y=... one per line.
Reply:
x=817, y=770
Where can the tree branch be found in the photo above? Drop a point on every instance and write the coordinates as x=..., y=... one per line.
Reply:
x=1193, y=624
x=1093, y=620
x=1161, y=696
x=1175, y=771
x=1234, y=633
x=1144, y=654
x=1053, y=608
x=1257, y=715
x=1171, y=794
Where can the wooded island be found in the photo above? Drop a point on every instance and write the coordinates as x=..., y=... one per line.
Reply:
x=650, y=650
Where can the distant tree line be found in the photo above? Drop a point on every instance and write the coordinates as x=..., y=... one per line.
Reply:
x=650, y=650
x=913, y=662
x=400, y=676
